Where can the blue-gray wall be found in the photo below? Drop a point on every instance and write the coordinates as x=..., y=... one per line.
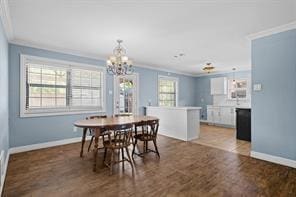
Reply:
x=203, y=89
x=4, y=130
x=274, y=108
x=26, y=131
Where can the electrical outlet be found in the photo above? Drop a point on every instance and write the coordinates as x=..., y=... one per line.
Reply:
x=75, y=129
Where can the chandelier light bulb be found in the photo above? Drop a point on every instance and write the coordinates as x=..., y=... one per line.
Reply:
x=124, y=59
x=108, y=62
x=112, y=58
x=119, y=63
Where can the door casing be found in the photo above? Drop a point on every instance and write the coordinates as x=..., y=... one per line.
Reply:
x=135, y=77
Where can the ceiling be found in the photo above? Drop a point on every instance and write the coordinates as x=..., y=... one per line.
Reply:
x=153, y=31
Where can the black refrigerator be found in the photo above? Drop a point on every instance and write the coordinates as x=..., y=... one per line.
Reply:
x=243, y=124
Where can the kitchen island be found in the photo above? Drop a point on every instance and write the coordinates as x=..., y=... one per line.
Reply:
x=177, y=122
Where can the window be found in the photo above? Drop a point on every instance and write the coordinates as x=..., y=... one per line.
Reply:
x=52, y=87
x=167, y=91
x=238, y=89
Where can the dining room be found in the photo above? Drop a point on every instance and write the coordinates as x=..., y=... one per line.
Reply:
x=110, y=98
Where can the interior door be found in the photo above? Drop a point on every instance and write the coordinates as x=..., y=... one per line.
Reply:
x=126, y=94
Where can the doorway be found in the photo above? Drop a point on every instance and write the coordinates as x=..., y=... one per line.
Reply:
x=126, y=94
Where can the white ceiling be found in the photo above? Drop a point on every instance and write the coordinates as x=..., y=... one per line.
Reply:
x=153, y=31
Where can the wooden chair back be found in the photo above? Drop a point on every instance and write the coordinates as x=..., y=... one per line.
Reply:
x=121, y=136
x=148, y=127
x=152, y=127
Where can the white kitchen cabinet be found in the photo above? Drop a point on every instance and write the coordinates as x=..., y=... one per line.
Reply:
x=213, y=115
x=210, y=114
x=227, y=115
x=221, y=115
x=218, y=85
x=217, y=116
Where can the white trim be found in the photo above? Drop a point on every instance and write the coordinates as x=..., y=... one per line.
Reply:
x=56, y=113
x=169, y=71
x=272, y=31
x=5, y=18
x=204, y=121
x=5, y=171
x=274, y=159
x=90, y=55
x=61, y=111
x=101, y=58
x=115, y=89
x=176, y=79
x=26, y=148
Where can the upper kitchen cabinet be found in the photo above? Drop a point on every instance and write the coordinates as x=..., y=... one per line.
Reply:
x=218, y=85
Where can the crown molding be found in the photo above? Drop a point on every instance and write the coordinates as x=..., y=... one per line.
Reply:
x=101, y=58
x=169, y=71
x=90, y=55
x=272, y=31
x=6, y=20
x=35, y=45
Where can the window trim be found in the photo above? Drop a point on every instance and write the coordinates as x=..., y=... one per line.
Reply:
x=247, y=90
x=56, y=111
x=176, y=80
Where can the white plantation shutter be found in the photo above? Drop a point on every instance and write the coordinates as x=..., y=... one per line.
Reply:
x=86, y=88
x=167, y=92
x=53, y=87
x=45, y=86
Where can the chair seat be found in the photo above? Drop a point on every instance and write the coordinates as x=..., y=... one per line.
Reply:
x=144, y=137
x=115, y=143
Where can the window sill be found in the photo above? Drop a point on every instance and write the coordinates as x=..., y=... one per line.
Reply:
x=57, y=113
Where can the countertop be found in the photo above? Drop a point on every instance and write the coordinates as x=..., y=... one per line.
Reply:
x=176, y=108
x=234, y=106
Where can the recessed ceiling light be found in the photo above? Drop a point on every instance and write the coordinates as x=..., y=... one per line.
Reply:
x=179, y=55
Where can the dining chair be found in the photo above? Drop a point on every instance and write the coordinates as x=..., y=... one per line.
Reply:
x=118, y=138
x=91, y=132
x=148, y=133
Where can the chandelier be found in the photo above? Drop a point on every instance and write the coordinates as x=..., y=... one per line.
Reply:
x=118, y=63
x=208, y=68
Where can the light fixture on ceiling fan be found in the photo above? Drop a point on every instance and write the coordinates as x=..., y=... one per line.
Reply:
x=119, y=63
x=208, y=67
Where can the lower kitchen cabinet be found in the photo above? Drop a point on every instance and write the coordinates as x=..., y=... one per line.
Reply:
x=221, y=115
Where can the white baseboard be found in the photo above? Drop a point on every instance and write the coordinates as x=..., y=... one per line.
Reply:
x=5, y=170
x=20, y=149
x=274, y=159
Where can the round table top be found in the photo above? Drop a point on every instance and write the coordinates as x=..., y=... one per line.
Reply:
x=112, y=121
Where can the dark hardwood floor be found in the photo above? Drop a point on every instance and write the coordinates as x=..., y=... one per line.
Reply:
x=184, y=169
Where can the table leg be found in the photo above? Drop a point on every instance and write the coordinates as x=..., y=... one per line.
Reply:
x=83, y=141
x=97, y=135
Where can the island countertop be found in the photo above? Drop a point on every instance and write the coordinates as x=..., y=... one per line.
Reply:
x=180, y=108
x=177, y=122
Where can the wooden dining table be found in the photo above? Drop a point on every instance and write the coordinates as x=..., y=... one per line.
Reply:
x=107, y=123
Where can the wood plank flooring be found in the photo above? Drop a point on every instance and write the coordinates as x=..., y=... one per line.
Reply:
x=184, y=169
x=222, y=138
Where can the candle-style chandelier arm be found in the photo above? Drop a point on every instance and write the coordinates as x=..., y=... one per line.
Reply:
x=119, y=63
